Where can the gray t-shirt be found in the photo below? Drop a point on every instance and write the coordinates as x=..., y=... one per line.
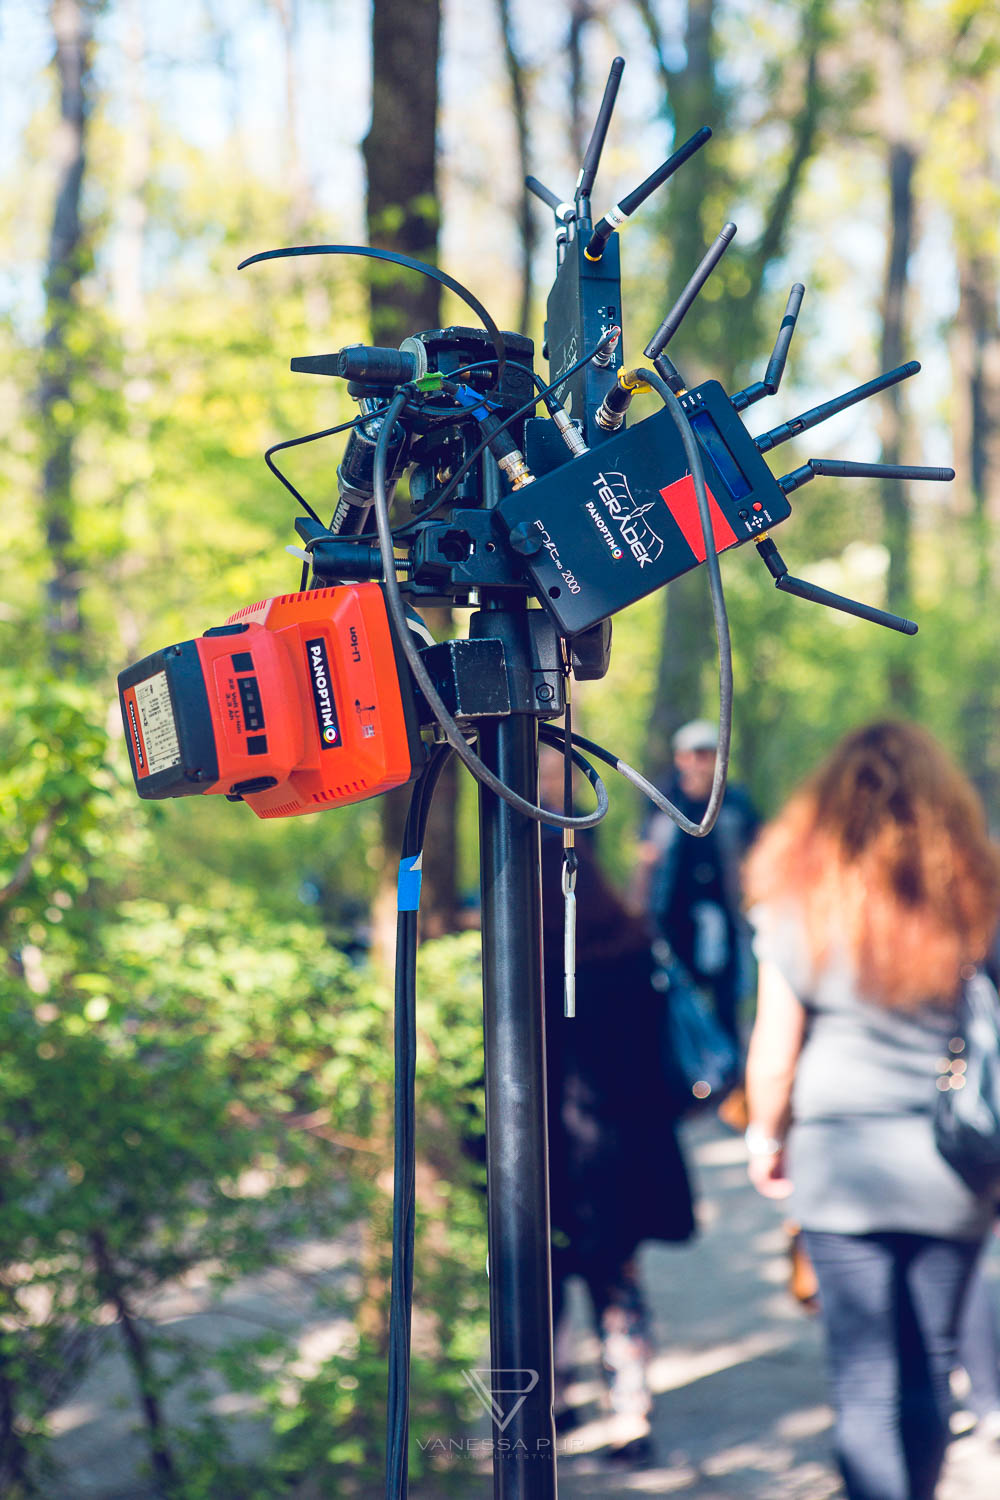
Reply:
x=861, y=1148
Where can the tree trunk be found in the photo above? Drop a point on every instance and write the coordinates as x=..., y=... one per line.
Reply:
x=686, y=672
x=400, y=152
x=111, y=1289
x=294, y=171
x=402, y=206
x=977, y=425
x=580, y=13
x=64, y=268
x=901, y=160
x=975, y=348
x=525, y=217
x=402, y=210
x=694, y=100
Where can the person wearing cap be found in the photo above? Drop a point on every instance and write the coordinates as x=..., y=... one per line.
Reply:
x=690, y=888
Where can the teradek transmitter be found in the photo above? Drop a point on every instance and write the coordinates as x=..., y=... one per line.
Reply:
x=622, y=520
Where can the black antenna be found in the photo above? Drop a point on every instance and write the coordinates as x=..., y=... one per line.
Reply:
x=776, y=364
x=563, y=211
x=842, y=468
x=817, y=414
x=619, y=212
x=592, y=155
x=783, y=580
x=675, y=316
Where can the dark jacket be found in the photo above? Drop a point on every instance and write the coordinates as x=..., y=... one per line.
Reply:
x=617, y=1174
x=693, y=873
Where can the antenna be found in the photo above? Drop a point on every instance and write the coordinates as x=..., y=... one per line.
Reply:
x=619, y=212
x=675, y=316
x=817, y=414
x=592, y=155
x=783, y=580
x=563, y=211
x=841, y=468
x=776, y=364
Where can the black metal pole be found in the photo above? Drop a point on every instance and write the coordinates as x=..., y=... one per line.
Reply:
x=524, y=1460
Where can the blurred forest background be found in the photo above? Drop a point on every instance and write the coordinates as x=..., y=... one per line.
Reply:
x=194, y=1034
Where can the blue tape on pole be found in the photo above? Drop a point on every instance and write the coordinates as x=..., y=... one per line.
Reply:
x=410, y=873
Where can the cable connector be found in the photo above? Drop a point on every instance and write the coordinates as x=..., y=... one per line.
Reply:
x=568, y=431
x=609, y=344
x=611, y=413
x=515, y=467
x=506, y=452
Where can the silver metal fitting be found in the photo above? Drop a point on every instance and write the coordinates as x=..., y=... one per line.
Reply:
x=517, y=471
x=608, y=421
x=569, y=432
x=606, y=355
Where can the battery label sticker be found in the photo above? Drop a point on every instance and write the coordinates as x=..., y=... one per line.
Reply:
x=683, y=506
x=327, y=718
x=135, y=733
x=156, y=731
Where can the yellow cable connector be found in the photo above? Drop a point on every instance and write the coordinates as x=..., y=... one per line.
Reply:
x=632, y=381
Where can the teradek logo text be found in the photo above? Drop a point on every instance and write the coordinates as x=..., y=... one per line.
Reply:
x=322, y=689
x=628, y=518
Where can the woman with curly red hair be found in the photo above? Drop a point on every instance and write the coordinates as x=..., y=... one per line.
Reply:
x=873, y=892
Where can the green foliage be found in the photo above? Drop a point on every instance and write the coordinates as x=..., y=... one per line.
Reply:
x=331, y=1426
x=186, y=1086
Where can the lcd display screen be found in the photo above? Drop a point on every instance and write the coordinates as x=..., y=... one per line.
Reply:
x=714, y=444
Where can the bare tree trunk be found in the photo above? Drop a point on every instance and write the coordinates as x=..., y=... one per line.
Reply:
x=127, y=279
x=401, y=160
x=580, y=13
x=400, y=153
x=901, y=162
x=287, y=12
x=976, y=407
x=976, y=365
x=64, y=268
x=976, y=330
x=137, y=1352
x=15, y=1456
x=525, y=217
x=694, y=98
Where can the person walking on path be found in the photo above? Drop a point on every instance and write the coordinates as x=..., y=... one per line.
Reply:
x=690, y=888
x=617, y=1173
x=872, y=893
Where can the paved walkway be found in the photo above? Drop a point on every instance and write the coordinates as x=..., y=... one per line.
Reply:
x=740, y=1398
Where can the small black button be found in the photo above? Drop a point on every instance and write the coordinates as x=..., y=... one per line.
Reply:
x=256, y=744
x=228, y=629
x=242, y=661
x=744, y=515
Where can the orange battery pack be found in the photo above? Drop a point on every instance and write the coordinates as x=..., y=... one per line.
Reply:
x=296, y=703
